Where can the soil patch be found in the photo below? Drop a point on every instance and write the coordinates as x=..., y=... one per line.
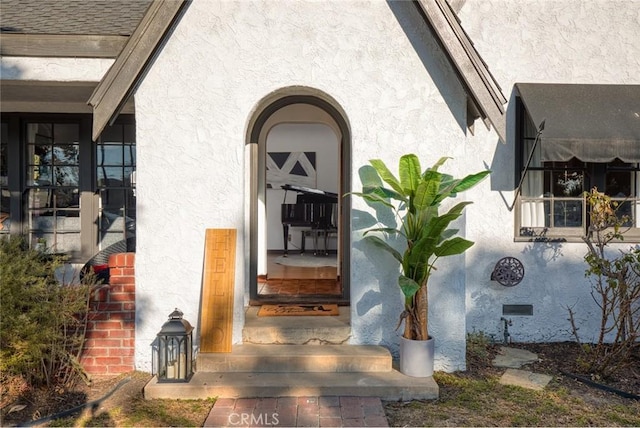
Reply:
x=560, y=359
x=116, y=401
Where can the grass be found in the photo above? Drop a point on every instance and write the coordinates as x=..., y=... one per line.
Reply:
x=468, y=401
x=477, y=398
x=465, y=401
x=144, y=413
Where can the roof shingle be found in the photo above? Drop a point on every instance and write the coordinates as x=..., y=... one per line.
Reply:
x=71, y=17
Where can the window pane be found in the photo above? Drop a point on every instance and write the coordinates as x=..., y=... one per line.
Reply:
x=53, y=173
x=5, y=195
x=66, y=133
x=112, y=200
x=66, y=198
x=129, y=134
x=568, y=183
x=56, y=242
x=624, y=211
x=65, y=155
x=117, y=220
x=532, y=184
x=67, y=221
x=66, y=175
x=110, y=176
x=4, y=141
x=109, y=155
x=39, y=160
x=619, y=183
x=534, y=213
x=567, y=213
x=129, y=155
x=114, y=172
x=128, y=181
x=111, y=134
x=40, y=132
x=40, y=200
x=42, y=241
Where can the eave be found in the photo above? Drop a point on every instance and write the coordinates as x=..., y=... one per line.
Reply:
x=124, y=75
x=61, y=46
x=484, y=94
x=482, y=89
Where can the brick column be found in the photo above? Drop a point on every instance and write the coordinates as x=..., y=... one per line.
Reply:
x=110, y=338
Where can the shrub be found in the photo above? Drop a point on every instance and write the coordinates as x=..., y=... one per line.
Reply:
x=43, y=321
x=615, y=289
x=479, y=349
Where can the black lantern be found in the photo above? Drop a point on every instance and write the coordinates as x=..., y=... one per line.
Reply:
x=175, y=351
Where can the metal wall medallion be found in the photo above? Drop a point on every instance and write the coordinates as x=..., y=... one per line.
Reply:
x=509, y=271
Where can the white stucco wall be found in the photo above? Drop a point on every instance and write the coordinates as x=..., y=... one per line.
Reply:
x=570, y=41
x=399, y=95
x=192, y=110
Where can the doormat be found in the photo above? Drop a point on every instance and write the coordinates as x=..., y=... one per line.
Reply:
x=297, y=310
x=308, y=260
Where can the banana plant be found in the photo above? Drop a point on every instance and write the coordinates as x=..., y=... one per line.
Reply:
x=415, y=199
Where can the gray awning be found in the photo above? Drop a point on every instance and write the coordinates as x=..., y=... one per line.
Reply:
x=594, y=123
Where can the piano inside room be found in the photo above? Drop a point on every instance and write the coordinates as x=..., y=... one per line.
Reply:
x=301, y=227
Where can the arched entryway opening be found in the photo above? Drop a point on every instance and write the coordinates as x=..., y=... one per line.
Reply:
x=299, y=138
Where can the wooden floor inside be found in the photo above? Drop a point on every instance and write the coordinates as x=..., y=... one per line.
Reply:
x=292, y=281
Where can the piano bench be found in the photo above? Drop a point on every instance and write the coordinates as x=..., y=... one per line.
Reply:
x=316, y=233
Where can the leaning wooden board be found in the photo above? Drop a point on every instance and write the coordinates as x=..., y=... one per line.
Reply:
x=217, y=290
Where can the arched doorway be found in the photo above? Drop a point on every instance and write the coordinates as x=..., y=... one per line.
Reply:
x=301, y=141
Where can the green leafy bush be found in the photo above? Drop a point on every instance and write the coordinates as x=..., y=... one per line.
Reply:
x=43, y=322
x=615, y=288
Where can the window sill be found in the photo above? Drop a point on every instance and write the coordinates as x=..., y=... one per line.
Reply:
x=630, y=238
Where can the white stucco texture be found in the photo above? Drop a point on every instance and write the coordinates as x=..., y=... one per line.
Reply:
x=192, y=110
x=569, y=41
x=399, y=94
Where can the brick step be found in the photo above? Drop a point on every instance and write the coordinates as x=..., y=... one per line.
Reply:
x=297, y=359
x=390, y=385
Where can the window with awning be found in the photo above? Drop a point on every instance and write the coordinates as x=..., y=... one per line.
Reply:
x=590, y=138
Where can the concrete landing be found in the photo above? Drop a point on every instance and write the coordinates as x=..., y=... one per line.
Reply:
x=390, y=385
x=298, y=358
x=318, y=330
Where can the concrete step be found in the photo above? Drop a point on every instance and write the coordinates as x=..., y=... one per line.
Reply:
x=390, y=385
x=297, y=359
x=279, y=358
x=318, y=330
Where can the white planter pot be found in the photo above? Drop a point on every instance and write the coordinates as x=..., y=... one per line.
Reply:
x=416, y=357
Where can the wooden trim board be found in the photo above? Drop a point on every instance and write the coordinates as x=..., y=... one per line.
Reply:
x=217, y=290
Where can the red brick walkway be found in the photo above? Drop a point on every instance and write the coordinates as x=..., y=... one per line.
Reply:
x=298, y=412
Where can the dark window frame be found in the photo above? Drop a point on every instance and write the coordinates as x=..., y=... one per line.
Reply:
x=17, y=180
x=594, y=175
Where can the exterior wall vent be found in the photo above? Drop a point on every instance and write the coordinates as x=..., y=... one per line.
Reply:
x=517, y=309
